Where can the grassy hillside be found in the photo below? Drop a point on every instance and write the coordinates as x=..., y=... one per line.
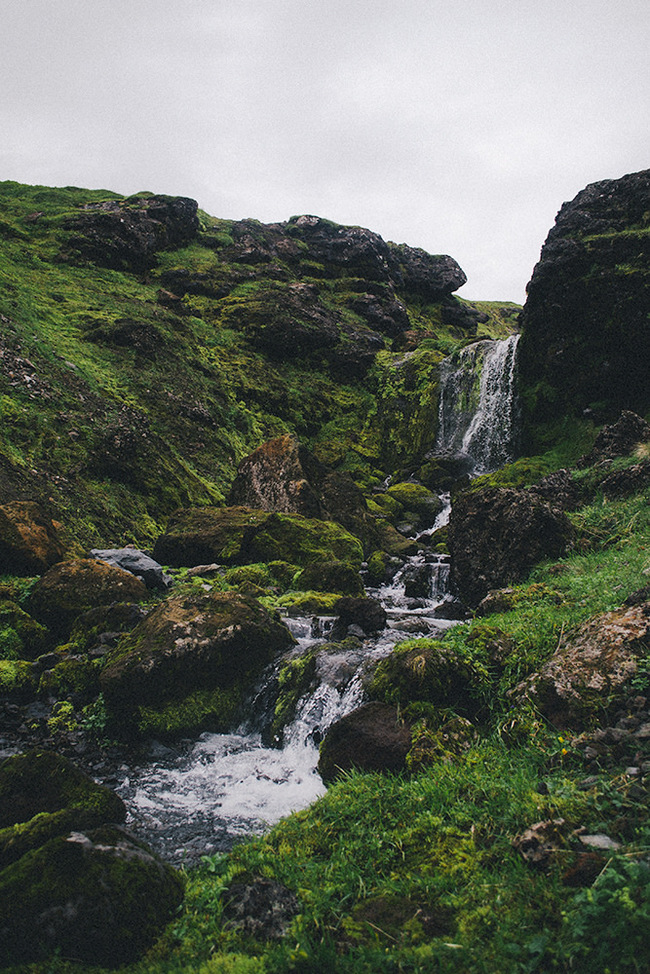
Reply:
x=121, y=401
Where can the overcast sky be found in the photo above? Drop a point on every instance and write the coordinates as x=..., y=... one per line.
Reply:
x=459, y=126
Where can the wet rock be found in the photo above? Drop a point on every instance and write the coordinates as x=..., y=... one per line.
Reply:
x=371, y=738
x=30, y=636
x=592, y=673
x=137, y=563
x=496, y=535
x=186, y=666
x=30, y=542
x=368, y=614
x=98, y=896
x=262, y=908
x=73, y=587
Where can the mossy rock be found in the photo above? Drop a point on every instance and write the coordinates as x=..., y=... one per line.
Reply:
x=18, y=679
x=30, y=635
x=309, y=603
x=242, y=535
x=43, y=781
x=416, y=497
x=427, y=670
x=73, y=587
x=99, y=896
x=213, y=644
x=76, y=674
x=331, y=576
x=294, y=680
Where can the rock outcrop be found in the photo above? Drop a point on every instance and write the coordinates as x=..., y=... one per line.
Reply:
x=126, y=234
x=590, y=674
x=585, y=337
x=496, y=535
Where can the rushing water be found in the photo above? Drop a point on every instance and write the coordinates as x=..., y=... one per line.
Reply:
x=478, y=412
x=202, y=796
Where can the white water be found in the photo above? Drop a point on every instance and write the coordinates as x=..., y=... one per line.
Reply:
x=477, y=414
x=202, y=796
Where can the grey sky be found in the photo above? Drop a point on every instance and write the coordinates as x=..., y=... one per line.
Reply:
x=460, y=127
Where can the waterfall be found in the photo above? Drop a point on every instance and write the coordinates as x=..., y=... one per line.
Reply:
x=477, y=417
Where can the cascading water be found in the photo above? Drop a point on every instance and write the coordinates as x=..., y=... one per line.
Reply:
x=202, y=796
x=478, y=412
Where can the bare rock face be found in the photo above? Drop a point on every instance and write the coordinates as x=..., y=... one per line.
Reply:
x=29, y=540
x=591, y=673
x=497, y=535
x=371, y=738
x=585, y=337
x=618, y=439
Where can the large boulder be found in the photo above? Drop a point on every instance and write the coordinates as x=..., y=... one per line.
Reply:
x=42, y=795
x=591, y=673
x=98, y=896
x=72, y=587
x=371, y=738
x=136, y=562
x=126, y=234
x=29, y=540
x=243, y=535
x=188, y=665
x=496, y=535
x=283, y=475
x=617, y=439
x=585, y=337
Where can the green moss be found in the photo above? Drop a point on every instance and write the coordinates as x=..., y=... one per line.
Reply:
x=294, y=679
x=308, y=603
x=17, y=678
x=213, y=710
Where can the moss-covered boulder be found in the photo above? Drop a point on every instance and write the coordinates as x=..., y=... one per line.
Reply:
x=188, y=665
x=371, y=738
x=426, y=670
x=242, y=535
x=43, y=781
x=416, y=497
x=30, y=541
x=99, y=896
x=72, y=587
x=19, y=632
x=330, y=576
x=18, y=679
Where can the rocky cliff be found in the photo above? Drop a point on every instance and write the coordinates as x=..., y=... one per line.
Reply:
x=585, y=343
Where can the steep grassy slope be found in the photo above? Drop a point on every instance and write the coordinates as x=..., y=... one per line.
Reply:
x=137, y=371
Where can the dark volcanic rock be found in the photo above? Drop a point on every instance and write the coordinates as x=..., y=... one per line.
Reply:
x=585, y=338
x=496, y=535
x=261, y=908
x=368, y=614
x=371, y=738
x=125, y=234
x=618, y=439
